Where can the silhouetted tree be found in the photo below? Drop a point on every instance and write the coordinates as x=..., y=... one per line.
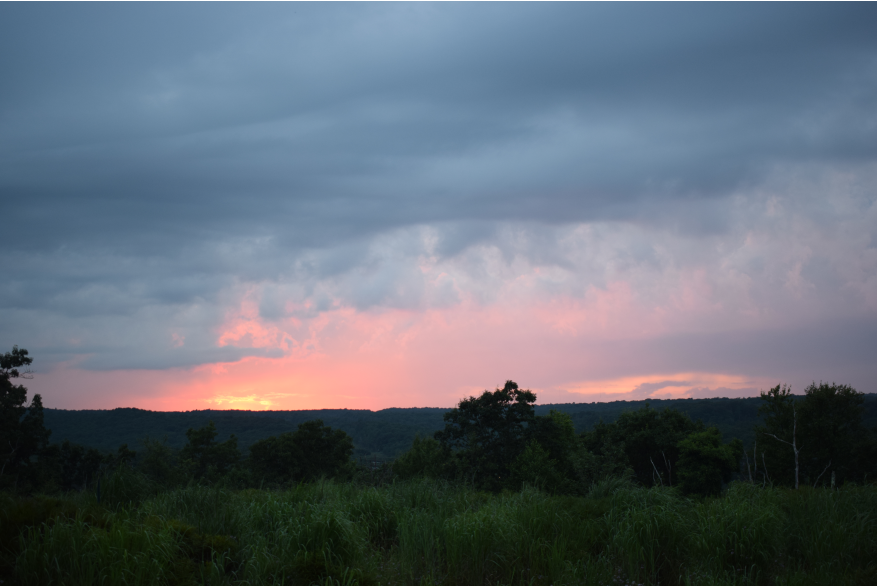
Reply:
x=74, y=465
x=325, y=452
x=487, y=433
x=804, y=439
x=705, y=464
x=276, y=459
x=22, y=433
x=206, y=457
x=311, y=452
x=555, y=457
x=649, y=440
x=831, y=425
x=161, y=462
x=425, y=458
x=780, y=435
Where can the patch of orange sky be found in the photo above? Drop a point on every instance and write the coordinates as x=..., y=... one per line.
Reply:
x=344, y=358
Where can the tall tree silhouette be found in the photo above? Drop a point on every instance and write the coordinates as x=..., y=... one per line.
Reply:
x=22, y=433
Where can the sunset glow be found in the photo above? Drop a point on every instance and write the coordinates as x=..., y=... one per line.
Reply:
x=372, y=206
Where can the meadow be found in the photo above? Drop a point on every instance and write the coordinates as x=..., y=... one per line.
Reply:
x=500, y=495
x=434, y=532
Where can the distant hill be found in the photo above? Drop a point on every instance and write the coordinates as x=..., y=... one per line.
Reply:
x=381, y=434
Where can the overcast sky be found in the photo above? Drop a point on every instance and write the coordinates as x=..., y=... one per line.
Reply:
x=370, y=205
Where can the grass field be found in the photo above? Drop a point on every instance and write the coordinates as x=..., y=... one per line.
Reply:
x=428, y=532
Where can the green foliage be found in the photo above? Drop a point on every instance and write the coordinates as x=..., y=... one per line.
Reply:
x=207, y=458
x=325, y=452
x=825, y=425
x=831, y=427
x=72, y=467
x=435, y=532
x=79, y=464
x=608, y=486
x=22, y=433
x=604, y=455
x=381, y=435
x=123, y=456
x=161, y=463
x=556, y=435
x=311, y=452
x=16, y=515
x=487, y=433
x=10, y=362
x=705, y=464
x=425, y=458
x=116, y=555
x=124, y=486
x=612, y=505
x=776, y=434
x=648, y=536
x=734, y=417
x=535, y=467
x=649, y=440
x=496, y=441
x=276, y=459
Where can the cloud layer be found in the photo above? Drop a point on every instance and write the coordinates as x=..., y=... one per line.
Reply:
x=321, y=197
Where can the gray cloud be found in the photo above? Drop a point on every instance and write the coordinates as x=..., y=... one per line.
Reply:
x=154, y=158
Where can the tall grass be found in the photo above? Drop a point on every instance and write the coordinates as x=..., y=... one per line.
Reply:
x=431, y=532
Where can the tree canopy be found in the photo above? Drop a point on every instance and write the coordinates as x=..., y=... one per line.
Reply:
x=207, y=457
x=705, y=464
x=311, y=452
x=498, y=440
x=825, y=428
x=22, y=433
x=487, y=433
x=649, y=440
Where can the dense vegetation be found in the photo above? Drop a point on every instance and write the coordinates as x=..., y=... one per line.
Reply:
x=434, y=532
x=502, y=493
x=383, y=434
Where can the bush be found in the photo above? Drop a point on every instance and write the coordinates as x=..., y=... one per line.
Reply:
x=425, y=531
x=311, y=452
x=425, y=458
x=535, y=467
x=126, y=487
x=705, y=464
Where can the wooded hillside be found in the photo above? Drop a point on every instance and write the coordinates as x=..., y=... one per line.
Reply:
x=381, y=434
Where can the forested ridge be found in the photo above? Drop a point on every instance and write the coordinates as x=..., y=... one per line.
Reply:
x=382, y=434
x=501, y=490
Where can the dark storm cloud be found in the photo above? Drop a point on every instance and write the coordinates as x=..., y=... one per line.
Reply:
x=153, y=155
x=330, y=120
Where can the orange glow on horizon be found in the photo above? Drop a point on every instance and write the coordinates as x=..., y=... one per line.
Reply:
x=343, y=358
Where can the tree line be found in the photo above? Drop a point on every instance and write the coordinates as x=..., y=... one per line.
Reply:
x=498, y=442
x=28, y=462
x=494, y=441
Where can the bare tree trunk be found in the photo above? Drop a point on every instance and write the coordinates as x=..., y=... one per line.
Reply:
x=9, y=460
x=656, y=472
x=823, y=473
x=793, y=444
x=669, y=470
x=748, y=468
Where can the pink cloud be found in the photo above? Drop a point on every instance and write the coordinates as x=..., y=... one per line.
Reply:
x=385, y=358
x=410, y=328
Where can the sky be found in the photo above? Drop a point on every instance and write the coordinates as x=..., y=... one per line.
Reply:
x=303, y=206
